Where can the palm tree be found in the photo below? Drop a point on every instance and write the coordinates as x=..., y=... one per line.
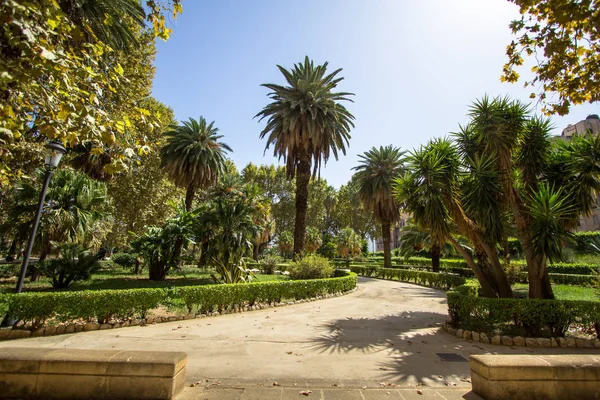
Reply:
x=314, y=239
x=348, y=243
x=193, y=156
x=306, y=124
x=285, y=242
x=377, y=170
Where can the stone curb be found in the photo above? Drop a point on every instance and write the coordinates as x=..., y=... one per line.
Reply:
x=520, y=341
x=8, y=334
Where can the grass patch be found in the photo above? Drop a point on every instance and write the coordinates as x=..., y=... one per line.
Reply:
x=118, y=278
x=562, y=292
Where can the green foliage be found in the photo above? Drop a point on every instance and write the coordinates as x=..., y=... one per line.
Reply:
x=124, y=260
x=217, y=298
x=311, y=267
x=9, y=270
x=106, y=305
x=314, y=239
x=74, y=264
x=526, y=317
x=269, y=263
x=329, y=248
x=285, y=242
x=348, y=243
x=433, y=279
x=565, y=33
x=65, y=75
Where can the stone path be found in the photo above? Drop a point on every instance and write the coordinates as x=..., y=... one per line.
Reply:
x=384, y=337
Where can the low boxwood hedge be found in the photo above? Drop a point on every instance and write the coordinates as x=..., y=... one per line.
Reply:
x=104, y=305
x=433, y=279
x=525, y=317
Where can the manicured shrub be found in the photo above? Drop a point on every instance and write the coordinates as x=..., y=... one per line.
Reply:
x=9, y=270
x=526, y=317
x=433, y=279
x=124, y=260
x=311, y=267
x=105, y=305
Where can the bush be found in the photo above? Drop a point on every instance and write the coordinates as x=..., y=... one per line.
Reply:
x=73, y=265
x=433, y=279
x=105, y=305
x=269, y=263
x=124, y=260
x=526, y=317
x=9, y=270
x=311, y=267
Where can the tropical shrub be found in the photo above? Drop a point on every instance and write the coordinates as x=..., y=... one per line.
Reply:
x=74, y=264
x=311, y=267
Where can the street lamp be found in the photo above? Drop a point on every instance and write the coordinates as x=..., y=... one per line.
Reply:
x=54, y=152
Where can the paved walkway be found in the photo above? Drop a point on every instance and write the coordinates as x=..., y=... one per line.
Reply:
x=384, y=337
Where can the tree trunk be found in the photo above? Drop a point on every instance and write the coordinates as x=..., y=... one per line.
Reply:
x=436, y=251
x=539, y=280
x=189, y=197
x=302, y=180
x=157, y=272
x=486, y=287
x=504, y=289
x=386, y=236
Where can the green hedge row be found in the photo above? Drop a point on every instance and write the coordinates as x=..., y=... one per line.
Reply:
x=104, y=305
x=433, y=279
x=525, y=317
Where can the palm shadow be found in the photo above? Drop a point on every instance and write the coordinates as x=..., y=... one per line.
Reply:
x=412, y=340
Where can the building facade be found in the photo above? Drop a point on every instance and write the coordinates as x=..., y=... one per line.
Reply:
x=396, y=234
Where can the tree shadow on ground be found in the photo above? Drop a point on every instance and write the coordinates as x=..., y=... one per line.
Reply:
x=411, y=340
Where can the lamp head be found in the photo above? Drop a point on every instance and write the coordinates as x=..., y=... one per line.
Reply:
x=54, y=152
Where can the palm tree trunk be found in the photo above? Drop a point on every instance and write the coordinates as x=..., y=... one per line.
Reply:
x=189, y=197
x=486, y=287
x=386, y=236
x=436, y=251
x=302, y=179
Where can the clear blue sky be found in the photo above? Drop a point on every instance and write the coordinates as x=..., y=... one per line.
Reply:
x=414, y=66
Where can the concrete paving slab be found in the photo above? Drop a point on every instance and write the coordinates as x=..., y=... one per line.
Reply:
x=339, y=394
x=262, y=394
x=199, y=393
x=425, y=394
x=381, y=394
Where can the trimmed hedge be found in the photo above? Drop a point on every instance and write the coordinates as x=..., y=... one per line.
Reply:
x=566, y=279
x=433, y=279
x=105, y=305
x=527, y=317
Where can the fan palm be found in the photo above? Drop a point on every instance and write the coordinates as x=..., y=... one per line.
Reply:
x=285, y=242
x=314, y=239
x=306, y=124
x=348, y=243
x=378, y=168
x=193, y=156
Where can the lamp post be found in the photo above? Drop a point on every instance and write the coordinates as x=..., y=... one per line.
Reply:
x=54, y=152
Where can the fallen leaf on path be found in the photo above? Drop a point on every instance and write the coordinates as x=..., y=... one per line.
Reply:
x=306, y=392
x=335, y=384
x=419, y=391
x=288, y=352
x=276, y=384
x=468, y=380
x=450, y=383
x=383, y=369
x=439, y=376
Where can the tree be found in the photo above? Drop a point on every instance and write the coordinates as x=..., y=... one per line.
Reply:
x=285, y=242
x=349, y=211
x=74, y=264
x=377, y=170
x=306, y=124
x=348, y=243
x=61, y=68
x=314, y=239
x=563, y=37
x=193, y=157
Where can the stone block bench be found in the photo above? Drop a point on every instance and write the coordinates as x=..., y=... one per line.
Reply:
x=533, y=377
x=90, y=374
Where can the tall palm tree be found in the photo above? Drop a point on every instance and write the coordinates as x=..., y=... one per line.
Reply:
x=306, y=124
x=193, y=156
x=378, y=168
